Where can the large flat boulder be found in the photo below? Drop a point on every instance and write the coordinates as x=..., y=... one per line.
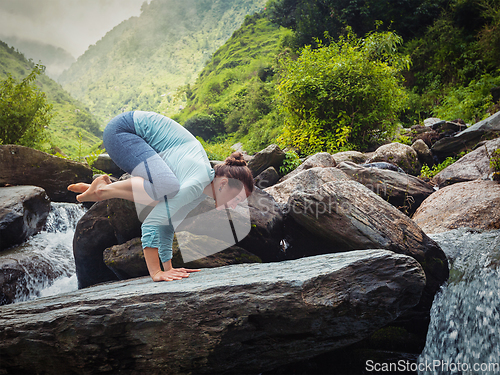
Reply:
x=242, y=318
x=473, y=204
x=25, y=166
x=23, y=212
x=349, y=216
x=403, y=191
x=475, y=165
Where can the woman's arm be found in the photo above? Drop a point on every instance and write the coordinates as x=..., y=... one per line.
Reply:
x=169, y=273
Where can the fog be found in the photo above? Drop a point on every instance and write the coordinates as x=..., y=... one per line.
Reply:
x=70, y=24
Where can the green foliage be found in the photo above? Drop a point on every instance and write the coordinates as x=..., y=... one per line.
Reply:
x=495, y=161
x=455, y=60
x=431, y=172
x=218, y=149
x=141, y=62
x=204, y=126
x=290, y=162
x=237, y=86
x=91, y=159
x=344, y=95
x=24, y=111
x=311, y=18
x=63, y=132
x=470, y=103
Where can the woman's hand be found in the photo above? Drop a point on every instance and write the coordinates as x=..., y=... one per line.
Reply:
x=173, y=274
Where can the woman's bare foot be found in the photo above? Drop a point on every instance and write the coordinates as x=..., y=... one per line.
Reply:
x=92, y=193
x=80, y=187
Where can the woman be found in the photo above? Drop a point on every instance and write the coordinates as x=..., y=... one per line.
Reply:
x=168, y=165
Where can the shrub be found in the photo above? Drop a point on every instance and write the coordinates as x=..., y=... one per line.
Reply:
x=344, y=95
x=204, y=126
x=24, y=111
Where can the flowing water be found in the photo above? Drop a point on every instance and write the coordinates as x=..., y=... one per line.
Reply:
x=464, y=334
x=51, y=250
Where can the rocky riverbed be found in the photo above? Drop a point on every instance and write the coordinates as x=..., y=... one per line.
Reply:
x=337, y=250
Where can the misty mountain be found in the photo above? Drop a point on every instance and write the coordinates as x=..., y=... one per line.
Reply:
x=55, y=59
x=73, y=130
x=141, y=62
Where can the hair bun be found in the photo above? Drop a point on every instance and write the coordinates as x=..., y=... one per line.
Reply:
x=236, y=159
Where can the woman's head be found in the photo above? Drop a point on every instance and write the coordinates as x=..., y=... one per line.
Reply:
x=233, y=175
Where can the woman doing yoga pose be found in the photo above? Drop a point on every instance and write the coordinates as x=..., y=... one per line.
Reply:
x=168, y=165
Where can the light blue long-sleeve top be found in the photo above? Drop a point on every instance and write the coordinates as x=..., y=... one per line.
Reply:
x=187, y=159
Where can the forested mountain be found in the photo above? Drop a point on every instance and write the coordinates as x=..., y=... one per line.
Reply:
x=141, y=62
x=55, y=59
x=451, y=48
x=73, y=129
x=235, y=92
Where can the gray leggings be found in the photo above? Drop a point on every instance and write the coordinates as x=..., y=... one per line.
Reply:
x=132, y=154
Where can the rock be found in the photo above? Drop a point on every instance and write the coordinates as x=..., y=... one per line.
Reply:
x=233, y=319
x=402, y=155
x=107, y=165
x=271, y=156
x=105, y=224
x=25, y=166
x=231, y=255
x=354, y=156
x=403, y=191
x=309, y=179
x=429, y=122
x=446, y=128
x=383, y=165
x=321, y=159
x=423, y=152
x=266, y=220
x=127, y=260
x=466, y=139
x=23, y=273
x=267, y=178
x=474, y=204
x=23, y=212
x=491, y=123
x=475, y=165
x=351, y=217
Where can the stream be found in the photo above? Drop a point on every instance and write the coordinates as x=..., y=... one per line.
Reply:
x=54, y=246
x=464, y=333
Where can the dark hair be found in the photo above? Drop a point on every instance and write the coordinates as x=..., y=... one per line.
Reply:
x=235, y=168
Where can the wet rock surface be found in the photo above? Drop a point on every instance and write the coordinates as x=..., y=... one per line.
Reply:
x=232, y=319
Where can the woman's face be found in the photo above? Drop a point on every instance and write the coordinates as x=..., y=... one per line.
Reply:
x=228, y=195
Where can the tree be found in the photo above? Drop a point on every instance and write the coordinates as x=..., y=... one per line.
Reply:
x=24, y=111
x=342, y=96
x=311, y=18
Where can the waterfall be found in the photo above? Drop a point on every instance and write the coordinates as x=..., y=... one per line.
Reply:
x=464, y=333
x=51, y=250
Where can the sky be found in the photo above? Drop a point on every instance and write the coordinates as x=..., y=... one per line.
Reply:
x=73, y=25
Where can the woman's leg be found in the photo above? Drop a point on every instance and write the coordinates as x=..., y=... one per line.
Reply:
x=152, y=178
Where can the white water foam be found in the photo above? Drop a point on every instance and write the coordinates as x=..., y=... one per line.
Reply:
x=52, y=251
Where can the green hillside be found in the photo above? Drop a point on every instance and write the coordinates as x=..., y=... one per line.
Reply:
x=55, y=59
x=235, y=92
x=141, y=62
x=73, y=129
